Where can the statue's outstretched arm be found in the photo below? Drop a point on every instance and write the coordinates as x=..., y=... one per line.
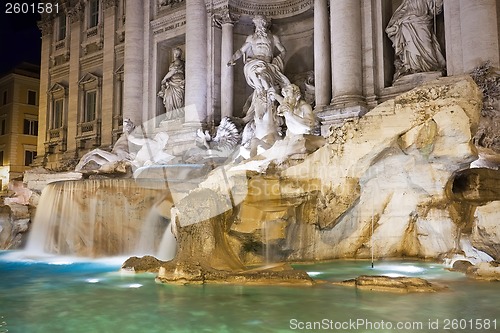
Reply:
x=239, y=53
x=279, y=46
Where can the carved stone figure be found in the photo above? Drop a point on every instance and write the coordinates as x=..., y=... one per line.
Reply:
x=264, y=73
x=97, y=158
x=152, y=150
x=228, y=135
x=172, y=87
x=299, y=117
x=414, y=41
x=262, y=70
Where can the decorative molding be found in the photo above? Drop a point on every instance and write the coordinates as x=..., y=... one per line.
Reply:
x=106, y=4
x=223, y=16
x=75, y=13
x=57, y=87
x=46, y=26
x=168, y=22
x=169, y=3
x=88, y=78
x=281, y=9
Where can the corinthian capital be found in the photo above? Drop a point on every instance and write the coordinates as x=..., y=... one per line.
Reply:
x=45, y=26
x=76, y=12
x=225, y=16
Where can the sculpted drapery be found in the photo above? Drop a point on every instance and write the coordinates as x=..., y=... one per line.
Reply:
x=173, y=87
x=414, y=41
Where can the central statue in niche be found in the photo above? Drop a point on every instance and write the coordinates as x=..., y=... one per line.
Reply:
x=264, y=73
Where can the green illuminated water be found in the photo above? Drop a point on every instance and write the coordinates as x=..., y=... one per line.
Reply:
x=57, y=296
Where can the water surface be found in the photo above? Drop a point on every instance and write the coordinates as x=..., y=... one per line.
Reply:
x=61, y=295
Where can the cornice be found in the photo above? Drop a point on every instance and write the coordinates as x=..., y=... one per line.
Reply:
x=278, y=9
x=168, y=22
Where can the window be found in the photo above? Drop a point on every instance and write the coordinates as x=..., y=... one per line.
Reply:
x=90, y=106
x=57, y=113
x=3, y=126
x=61, y=28
x=30, y=127
x=1, y=157
x=93, y=13
x=4, y=97
x=32, y=97
x=29, y=157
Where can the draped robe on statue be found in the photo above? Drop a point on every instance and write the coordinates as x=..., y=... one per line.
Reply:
x=415, y=44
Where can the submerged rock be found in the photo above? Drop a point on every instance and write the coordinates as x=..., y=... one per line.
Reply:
x=393, y=284
x=142, y=264
x=194, y=273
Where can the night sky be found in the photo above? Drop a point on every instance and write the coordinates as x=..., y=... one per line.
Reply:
x=19, y=38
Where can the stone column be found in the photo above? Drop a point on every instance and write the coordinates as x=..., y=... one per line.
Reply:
x=74, y=108
x=347, y=68
x=227, y=72
x=479, y=33
x=133, y=62
x=322, y=73
x=196, y=62
x=44, y=103
x=108, y=69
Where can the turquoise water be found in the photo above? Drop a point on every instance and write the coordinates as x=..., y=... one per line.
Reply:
x=59, y=296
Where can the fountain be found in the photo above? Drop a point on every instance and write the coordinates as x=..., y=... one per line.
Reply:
x=377, y=187
x=264, y=204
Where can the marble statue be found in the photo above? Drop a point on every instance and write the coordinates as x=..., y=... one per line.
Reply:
x=227, y=137
x=262, y=70
x=299, y=117
x=97, y=158
x=264, y=73
x=413, y=38
x=172, y=87
x=152, y=151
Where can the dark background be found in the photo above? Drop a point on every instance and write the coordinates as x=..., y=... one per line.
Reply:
x=20, y=38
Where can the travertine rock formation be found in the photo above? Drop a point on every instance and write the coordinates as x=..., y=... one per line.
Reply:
x=380, y=185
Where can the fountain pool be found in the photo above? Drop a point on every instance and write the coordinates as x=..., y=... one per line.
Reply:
x=58, y=295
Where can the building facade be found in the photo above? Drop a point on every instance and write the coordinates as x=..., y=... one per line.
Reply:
x=103, y=60
x=19, y=94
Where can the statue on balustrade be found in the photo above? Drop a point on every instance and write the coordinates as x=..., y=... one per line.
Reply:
x=132, y=150
x=264, y=73
x=172, y=87
x=98, y=158
x=414, y=39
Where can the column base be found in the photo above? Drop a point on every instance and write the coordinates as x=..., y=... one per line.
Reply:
x=331, y=115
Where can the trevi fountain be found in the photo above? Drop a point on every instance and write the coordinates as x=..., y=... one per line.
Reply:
x=288, y=212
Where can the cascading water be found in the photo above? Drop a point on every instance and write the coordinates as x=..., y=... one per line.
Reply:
x=92, y=218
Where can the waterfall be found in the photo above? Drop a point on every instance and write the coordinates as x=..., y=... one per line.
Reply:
x=92, y=218
x=168, y=245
